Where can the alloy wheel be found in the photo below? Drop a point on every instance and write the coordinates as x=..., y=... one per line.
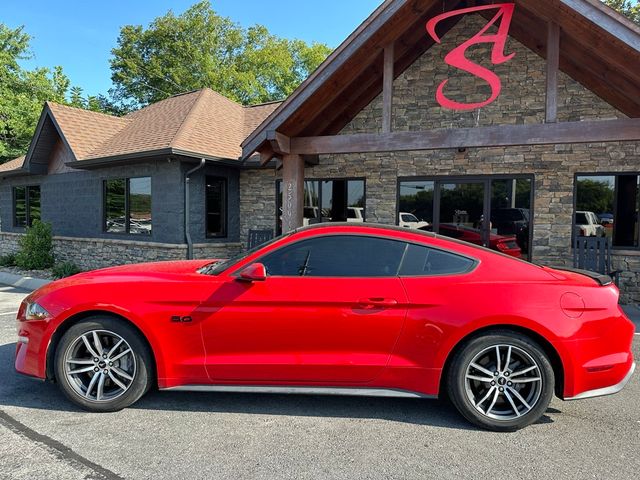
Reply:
x=100, y=365
x=503, y=382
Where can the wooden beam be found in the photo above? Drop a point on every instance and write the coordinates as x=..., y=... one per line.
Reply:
x=627, y=129
x=280, y=143
x=293, y=192
x=387, y=87
x=553, y=63
x=266, y=155
x=623, y=29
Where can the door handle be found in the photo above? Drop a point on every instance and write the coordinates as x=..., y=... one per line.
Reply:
x=378, y=302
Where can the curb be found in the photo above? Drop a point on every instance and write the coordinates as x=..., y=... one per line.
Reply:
x=26, y=283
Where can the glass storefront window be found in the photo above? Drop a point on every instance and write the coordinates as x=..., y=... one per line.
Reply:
x=416, y=204
x=511, y=210
x=330, y=200
x=609, y=205
x=487, y=211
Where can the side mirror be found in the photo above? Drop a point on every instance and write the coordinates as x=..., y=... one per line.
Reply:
x=256, y=272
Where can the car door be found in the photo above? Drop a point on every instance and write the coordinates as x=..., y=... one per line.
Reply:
x=330, y=311
x=440, y=293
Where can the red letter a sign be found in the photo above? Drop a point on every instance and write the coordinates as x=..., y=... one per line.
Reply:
x=456, y=58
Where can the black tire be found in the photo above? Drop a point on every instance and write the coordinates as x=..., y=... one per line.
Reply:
x=142, y=374
x=460, y=389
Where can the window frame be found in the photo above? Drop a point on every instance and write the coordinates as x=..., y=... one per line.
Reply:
x=615, y=207
x=27, y=205
x=474, y=261
x=127, y=206
x=224, y=209
x=438, y=180
x=279, y=181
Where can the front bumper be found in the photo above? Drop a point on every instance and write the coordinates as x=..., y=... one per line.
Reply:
x=600, y=392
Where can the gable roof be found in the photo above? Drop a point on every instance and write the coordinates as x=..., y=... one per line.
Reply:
x=599, y=48
x=201, y=123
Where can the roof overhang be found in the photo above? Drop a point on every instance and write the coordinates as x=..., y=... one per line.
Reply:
x=139, y=157
x=18, y=172
x=599, y=48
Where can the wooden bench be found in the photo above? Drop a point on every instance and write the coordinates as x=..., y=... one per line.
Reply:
x=258, y=237
x=594, y=254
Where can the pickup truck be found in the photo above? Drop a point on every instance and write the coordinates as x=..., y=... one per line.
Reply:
x=588, y=224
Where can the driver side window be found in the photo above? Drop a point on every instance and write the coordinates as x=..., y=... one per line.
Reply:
x=337, y=256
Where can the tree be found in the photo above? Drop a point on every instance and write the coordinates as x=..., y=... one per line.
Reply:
x=22, y=92
x=97, y=103
x=202, y=49
x=629, y=8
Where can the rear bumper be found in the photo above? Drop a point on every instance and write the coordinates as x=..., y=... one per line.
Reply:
x=600, y=392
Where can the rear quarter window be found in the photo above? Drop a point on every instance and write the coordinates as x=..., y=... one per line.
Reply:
x=423, y=261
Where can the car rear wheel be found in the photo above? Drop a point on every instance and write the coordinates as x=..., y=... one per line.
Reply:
x=502, y=381
x=103, y=365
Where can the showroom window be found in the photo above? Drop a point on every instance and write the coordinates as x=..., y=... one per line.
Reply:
x=334, y=200
x=26, y=205
x=216, y=207
x=609, y=205
x=127, y=206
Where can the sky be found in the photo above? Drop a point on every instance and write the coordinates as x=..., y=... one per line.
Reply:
x=79, y=35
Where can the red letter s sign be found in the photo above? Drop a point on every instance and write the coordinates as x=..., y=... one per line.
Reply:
x=456, y=58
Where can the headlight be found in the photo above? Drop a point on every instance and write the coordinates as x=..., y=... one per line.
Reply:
x=35, y=312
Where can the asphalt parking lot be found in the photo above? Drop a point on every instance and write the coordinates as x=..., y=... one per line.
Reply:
x=233, y=436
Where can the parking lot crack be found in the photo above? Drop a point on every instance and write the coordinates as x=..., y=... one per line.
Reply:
x=57, y=449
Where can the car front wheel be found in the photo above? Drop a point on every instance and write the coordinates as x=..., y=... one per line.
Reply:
x=103, y=365
x=501, y=381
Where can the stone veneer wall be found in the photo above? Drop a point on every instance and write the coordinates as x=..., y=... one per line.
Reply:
x=257, y=201
x=93, y=253
x=522, y=101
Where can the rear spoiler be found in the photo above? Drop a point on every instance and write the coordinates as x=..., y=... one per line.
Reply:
x=602, y=279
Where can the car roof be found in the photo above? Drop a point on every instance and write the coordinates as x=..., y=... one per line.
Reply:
x=373, y=226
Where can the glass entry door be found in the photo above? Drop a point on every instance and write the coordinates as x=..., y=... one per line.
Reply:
x=494, y=211
x=462, y=210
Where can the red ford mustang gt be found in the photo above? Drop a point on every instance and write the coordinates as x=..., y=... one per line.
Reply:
x=335, y=309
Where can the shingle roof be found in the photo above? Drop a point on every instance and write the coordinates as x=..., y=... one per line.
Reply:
x=14, y=164
x=84, y=130
x=201, y=122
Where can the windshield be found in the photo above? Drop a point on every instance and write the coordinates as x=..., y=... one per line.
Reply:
x=220, y=266
x=407, y=217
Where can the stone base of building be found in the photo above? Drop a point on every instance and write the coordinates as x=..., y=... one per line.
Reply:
x=93, y=253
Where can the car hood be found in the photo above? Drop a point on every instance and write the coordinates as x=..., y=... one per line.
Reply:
x=171, y=271
x=176, y=266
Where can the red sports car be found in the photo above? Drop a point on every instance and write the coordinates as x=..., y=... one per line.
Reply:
x=335, y=309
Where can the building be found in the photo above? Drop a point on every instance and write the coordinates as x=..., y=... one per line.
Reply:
x=114, y=189
x=366, y=138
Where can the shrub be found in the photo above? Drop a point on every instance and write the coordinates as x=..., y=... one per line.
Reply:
x=65, y=269
x=36, y=248
x=8, y=260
